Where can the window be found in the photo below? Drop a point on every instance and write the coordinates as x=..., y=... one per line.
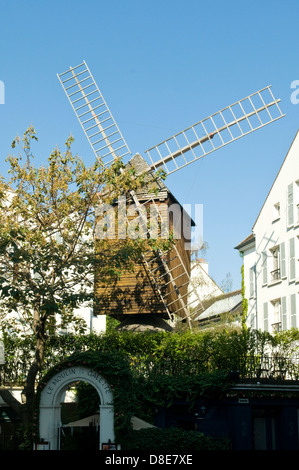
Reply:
x=264, y=267
x=275, y=272
x=284, y=318
x=290, y=203
x=293, y=311
x=252, y=282
x=276, y=306
x=283, y=269
x=292, y=259
x=265, y=315
x=276, y=211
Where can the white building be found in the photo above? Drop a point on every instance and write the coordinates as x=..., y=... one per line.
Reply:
x=271, y=271
x=226, y=307
x=202, y=288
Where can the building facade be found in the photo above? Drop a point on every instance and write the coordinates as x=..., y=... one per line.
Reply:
x=271, y=251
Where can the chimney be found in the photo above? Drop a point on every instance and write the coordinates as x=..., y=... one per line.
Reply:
x=204, y=264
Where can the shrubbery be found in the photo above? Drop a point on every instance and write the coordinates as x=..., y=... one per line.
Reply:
x=173, y=439
x=155, y=353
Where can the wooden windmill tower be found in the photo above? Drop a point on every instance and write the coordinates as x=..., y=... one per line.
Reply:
x=161, y=284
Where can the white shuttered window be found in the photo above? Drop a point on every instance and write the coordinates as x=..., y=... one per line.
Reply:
x=264, y=267
x=293, y=311
x=290, y=211
x=292, y=260
x=266, y=319
x=283, y=260
x=284, y=321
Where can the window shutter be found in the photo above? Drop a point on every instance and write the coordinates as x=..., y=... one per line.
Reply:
x=290, y=213
x=293, y=311
x=251, y=282
x=292, y=258
x=284, y=313
x=264, y=267
x=266, y=321
x=283, y=260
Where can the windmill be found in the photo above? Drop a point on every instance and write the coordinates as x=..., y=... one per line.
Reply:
x=168, y=272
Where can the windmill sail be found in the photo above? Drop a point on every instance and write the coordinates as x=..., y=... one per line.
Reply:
x=93, y=114
x=221, y=128
x=107, y=142
x=168, y=271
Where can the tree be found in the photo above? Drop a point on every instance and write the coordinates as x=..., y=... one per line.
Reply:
x=48, y=254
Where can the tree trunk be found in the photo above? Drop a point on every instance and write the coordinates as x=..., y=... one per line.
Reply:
x=29, y=388
x=25, y=410
x=11, y=401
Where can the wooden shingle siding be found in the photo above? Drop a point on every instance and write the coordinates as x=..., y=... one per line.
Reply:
x=135, y=293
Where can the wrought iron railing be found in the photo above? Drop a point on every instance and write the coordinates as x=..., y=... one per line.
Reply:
x=275, y=275
x=247, y=367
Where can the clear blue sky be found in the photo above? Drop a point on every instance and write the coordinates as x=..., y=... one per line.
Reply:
x=161, y=66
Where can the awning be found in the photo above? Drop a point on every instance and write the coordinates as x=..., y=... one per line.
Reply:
x=94, y=420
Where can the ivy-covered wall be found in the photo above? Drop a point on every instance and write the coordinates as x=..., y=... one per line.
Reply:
x=152, y=370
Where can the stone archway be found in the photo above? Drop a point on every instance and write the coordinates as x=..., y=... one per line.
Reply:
x=50, y=399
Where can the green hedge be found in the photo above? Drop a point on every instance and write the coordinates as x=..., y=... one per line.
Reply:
x=153, y=354
x=174, y=440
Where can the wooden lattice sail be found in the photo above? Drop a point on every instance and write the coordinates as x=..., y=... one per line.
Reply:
x=159, y=285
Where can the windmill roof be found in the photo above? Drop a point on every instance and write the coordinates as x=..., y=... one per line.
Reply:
x=141, y=166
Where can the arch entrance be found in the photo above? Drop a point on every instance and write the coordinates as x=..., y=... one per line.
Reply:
x=51, y=397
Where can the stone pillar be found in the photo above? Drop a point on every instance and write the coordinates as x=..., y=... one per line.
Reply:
x=106, y=424
x=48, y=425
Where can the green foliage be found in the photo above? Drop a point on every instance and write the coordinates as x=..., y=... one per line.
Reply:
x=244, y=300
x=160, y=391
x=114, y=367
x=174, y=440
x=49, y=252
x=154, y=354
x=153, y=369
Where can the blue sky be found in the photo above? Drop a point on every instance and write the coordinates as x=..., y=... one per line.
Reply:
x=161, y=66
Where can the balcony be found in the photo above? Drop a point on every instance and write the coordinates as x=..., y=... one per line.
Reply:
x=275, y=275
x=276, y=327
x=249, y=367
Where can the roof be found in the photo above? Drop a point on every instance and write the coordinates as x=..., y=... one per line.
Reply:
x=203, y=272
x=141, y=166
x=226, y=303
x=276, y=178
x=251, y=237
x=246, y=241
